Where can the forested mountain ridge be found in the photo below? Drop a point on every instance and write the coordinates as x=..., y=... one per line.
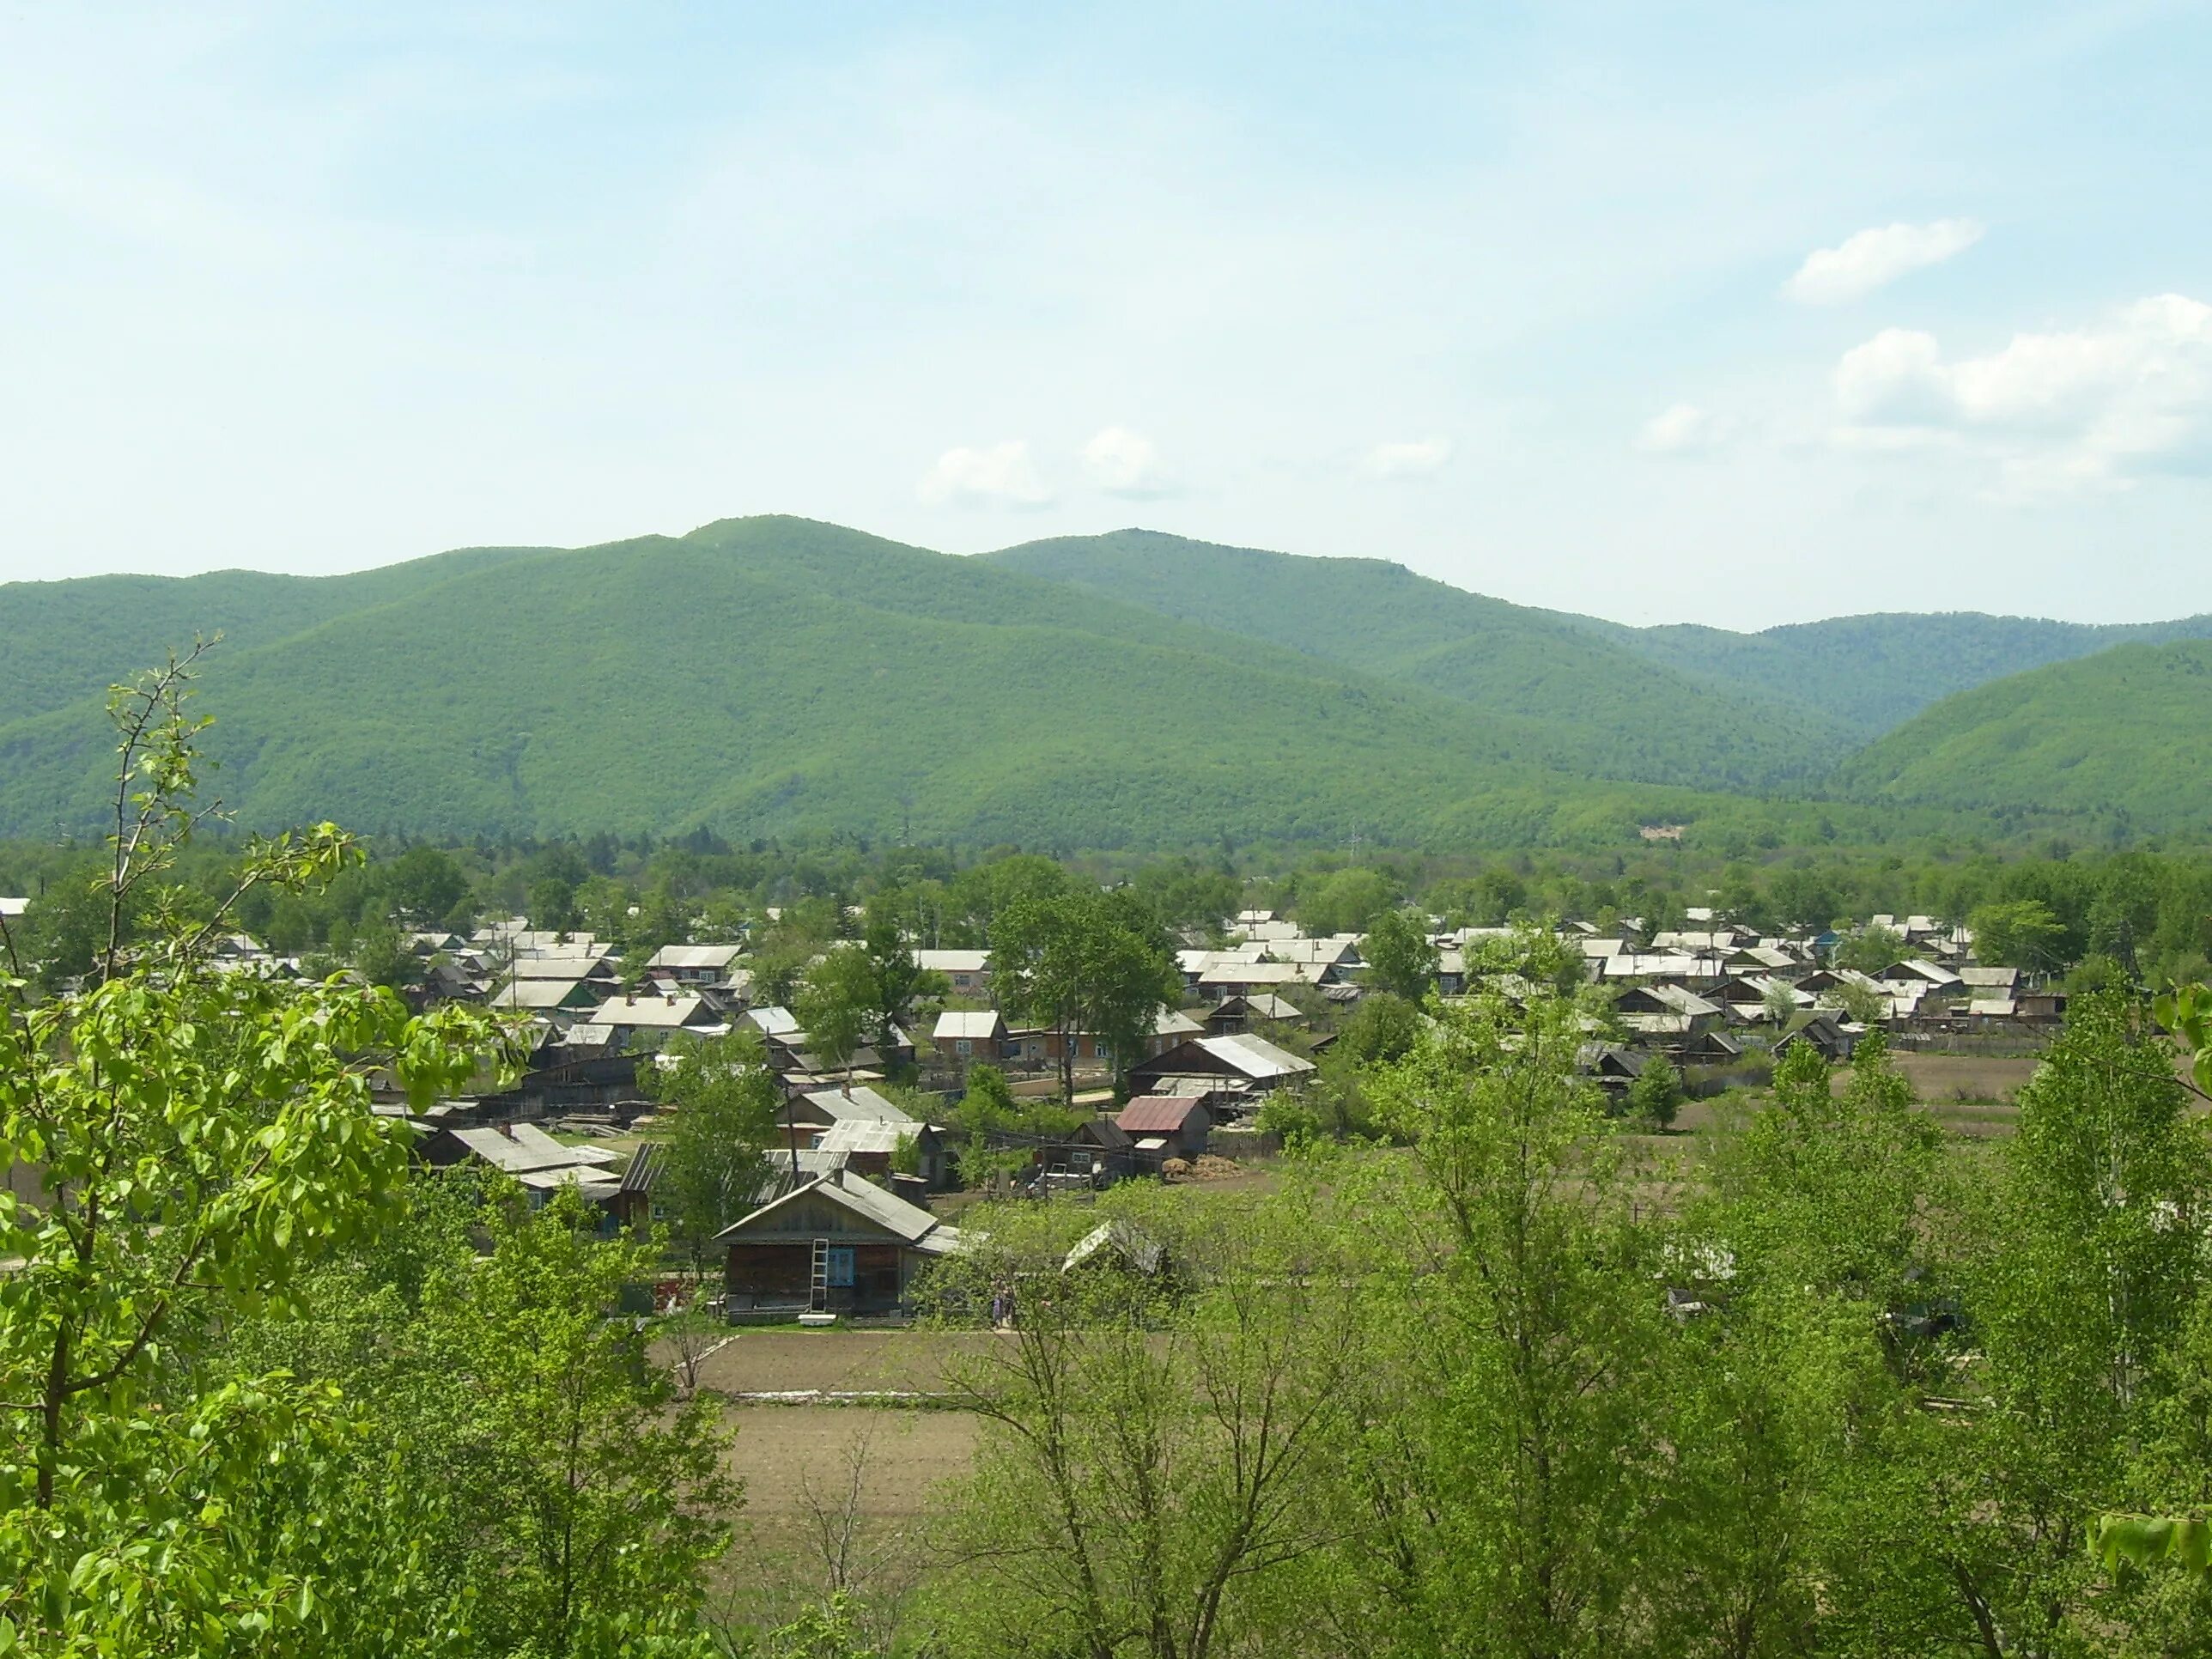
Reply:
x=766, y=674
x=769, y=674
x=1821, y=687
x=61, y=640
x=2120, y=733
x=1616, y=712
x=1872, y=671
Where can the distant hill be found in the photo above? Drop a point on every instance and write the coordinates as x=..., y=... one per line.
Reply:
x=1683, y=702
x=2121, y=734
x=1602, y=707
x=765, y=674
x=1868, y=673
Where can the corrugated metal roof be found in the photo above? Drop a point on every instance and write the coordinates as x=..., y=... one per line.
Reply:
x=963, y=1023
x=694, y=955
x=1156, y=1115
x=1256, y=1056
x=910, y=1222
x=863, y=1104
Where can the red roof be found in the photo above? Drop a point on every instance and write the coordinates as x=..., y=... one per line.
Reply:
x=1157, y=1115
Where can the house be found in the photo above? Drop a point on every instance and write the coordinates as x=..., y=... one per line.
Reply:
x=1223, y=979
x=1252, y=1061
x=964, y=1037
x=550, y=996
x=588, y=965
x=1824, y=1032
x=968, y=972
x=1120, y=1245
x=1990, y=981
x=1165, y=1126
x=539, y=1164
x=1169, y=1027
x=1234, y=1014
x=836, y=1243
x=819, y=1109
x=777, y=1024
x=1712, y=1048
x=871, y=1145
x=1664, y=1011
x=695, y=964
x=1613, y=1067
x=633, y=1021
x=1098, y=1147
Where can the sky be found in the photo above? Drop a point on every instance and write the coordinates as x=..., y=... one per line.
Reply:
x=1733, y=314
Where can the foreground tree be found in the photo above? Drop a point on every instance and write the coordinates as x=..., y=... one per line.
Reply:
x=1159, y=1423
x=198, y=1136
x=591, y=1504
x=1506, y=1440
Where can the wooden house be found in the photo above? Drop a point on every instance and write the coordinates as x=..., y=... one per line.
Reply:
x=837, y=1243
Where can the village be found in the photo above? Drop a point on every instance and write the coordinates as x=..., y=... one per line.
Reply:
x=848, y=1216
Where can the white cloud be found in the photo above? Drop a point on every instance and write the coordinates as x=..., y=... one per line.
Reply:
x=1002, y=473
x=1867, y=261
x=1126, y=463
x=1682, y=429
x=1409, y=460
x=2128, y=394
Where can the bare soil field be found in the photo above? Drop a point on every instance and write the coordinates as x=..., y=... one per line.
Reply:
x=837, y=1361
x=781, y=1451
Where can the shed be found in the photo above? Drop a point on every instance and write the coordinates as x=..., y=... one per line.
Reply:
x=1165, y=1126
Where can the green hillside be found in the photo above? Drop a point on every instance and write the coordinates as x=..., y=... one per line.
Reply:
x=1603, y=709
x=2120, y=734
x=764, y=674
x=60, y=639
x=1870, y=672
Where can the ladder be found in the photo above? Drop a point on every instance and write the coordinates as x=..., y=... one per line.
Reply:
x=817, y=1299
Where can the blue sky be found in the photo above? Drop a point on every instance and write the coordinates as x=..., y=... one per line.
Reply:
x=1738, y=314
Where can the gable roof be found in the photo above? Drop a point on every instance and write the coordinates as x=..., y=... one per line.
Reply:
x=1256, y=1056
x=864, y=1104
x=1156, y=1115
x=953, y=961
x=909, y=1223
x=694, y=956
x=959, y=1023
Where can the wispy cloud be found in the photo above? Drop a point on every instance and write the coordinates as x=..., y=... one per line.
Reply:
x=1002, y=473
x=1682, y=429
x=2097, y=405
x=1417, y=459
x=1125, y=462
x=1875, y=258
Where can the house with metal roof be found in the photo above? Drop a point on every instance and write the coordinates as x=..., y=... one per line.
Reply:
x=837, y=1243
x=1252, y=1061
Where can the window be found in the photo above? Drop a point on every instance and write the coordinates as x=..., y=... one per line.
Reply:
x=838, y=1259
x=963, y=1046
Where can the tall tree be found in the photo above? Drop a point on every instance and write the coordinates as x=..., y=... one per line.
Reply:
x=723, y=1101
x=598, y=1503
x=1507, y=1439
x=1084, y=962
x=1400, y=956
